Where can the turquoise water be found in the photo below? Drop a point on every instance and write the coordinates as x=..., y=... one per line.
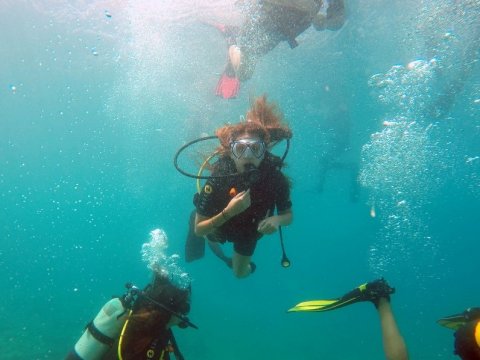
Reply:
x=93, y=109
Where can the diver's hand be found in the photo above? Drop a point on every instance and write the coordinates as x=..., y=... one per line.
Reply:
x=269, y=225
x=238, y=204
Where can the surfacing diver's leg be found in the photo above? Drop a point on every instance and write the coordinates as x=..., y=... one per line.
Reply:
x=355, y=184
x=393, y=343
x=241, y=265
x=217, y=250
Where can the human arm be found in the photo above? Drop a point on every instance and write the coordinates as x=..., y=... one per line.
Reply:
x=283, y=204
x=393, y=342
x=204, y=225
x=271, y=224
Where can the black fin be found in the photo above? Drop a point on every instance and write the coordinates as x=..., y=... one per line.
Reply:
x=194, y=245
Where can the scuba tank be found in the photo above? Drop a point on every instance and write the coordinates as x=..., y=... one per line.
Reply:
x=101, y=333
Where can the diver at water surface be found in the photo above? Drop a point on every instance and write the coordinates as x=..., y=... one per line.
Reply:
x=269, y=22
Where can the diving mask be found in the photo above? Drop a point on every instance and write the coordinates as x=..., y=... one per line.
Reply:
x=245, y=148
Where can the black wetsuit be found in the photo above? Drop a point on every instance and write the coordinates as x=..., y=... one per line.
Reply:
x=159, y=348
x=271, y=24
x=270, y=191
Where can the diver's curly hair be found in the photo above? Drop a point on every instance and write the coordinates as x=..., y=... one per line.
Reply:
x=263, y=119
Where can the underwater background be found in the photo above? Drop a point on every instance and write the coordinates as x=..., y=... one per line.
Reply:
x=96, y=97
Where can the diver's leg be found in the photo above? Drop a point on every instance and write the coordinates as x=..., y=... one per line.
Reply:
x=322, y=175
x=235, y=56
x=242, y=62
x=217, y=250
x=393, y=343
x=241, y=265
x=355, y=184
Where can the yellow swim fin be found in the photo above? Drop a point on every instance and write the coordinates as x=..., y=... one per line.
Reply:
x=371, y=291
x=314, y=305
x=456, y=321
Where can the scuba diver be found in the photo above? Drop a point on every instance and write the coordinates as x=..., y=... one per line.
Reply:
x=246, y=185
x=467, y=333
x=335, y=149
x=269, y=22
x=137, y=325
x=378, y=292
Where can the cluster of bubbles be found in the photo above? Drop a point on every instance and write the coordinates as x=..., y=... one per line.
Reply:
x=154, y=255
x=407, y=89
x=401, y=165
x=406, y=245
x=398, y=166
x=406, y=162
x=472, y=180
x=396, y=161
